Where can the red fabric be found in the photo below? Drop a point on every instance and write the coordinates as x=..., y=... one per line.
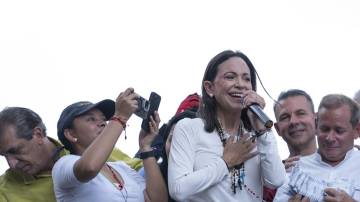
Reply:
x=191, y=102
x=269, y=194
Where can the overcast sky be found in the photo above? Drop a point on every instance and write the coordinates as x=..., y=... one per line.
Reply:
x=54, y=53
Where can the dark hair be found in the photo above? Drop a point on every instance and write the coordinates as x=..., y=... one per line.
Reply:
x=189, y=113
x=23, y=120
x=292, y=93
x=334, y=101
x=207, y=109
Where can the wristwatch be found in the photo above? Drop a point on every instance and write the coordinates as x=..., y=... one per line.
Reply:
x=144, y=155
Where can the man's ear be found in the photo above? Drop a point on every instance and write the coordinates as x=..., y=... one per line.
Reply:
x=38, y=134
x=209, y=88
x=357, y=130
x=68, y=133
x=277, y=128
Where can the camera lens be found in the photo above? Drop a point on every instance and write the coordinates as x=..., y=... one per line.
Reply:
x=146, y=105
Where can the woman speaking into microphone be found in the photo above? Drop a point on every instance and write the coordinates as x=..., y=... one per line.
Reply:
x=227, y=154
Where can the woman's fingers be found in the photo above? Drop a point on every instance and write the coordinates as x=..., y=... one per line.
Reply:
x=251, y=97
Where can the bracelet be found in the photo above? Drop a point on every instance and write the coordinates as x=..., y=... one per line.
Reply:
x=118, y=119
x=123, y=123
x=145, y=155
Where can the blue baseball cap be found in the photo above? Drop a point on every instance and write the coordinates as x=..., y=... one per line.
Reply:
x=107, y=107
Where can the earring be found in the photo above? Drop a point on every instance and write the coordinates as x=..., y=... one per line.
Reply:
x=75, y=139
x=211, y=95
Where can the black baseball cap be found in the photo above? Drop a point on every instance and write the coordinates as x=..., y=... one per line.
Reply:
x=107, y=107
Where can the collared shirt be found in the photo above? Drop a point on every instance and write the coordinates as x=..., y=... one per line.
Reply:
x=311, y=176
x=19, y=187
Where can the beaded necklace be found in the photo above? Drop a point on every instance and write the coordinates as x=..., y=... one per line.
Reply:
x=237, y=173
x=119, y=184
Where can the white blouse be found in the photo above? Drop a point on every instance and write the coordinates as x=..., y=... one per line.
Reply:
x=197, y=172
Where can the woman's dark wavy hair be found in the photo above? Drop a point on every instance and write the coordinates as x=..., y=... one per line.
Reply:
x=207, y=109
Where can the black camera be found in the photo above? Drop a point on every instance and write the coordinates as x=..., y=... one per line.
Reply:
x=146, y=108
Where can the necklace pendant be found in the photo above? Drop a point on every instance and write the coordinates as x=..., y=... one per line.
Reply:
x=119, y=186
x=233, y=180
x=237, y=174
x=239, y=183
x=241, y=176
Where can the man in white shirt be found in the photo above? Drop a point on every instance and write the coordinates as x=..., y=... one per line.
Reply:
x=295, y=123
x=330, y=174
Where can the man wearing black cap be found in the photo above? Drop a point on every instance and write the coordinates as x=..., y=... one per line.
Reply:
x=31, y=154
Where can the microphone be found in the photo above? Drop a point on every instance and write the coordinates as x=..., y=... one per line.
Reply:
x=256, y=109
